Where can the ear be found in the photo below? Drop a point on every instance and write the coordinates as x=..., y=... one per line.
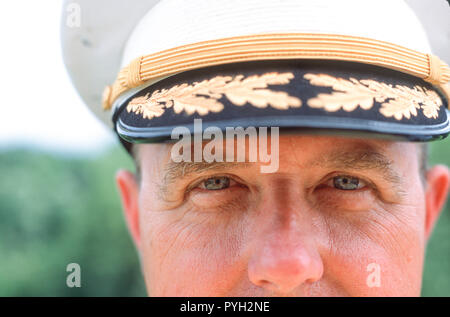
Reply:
x=129, y=193
x=438, y=179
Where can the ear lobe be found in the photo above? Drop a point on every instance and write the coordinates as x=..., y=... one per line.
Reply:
x=438, y=180
x=129, y=193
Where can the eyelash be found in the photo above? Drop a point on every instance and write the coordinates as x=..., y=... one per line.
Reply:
x=328, y=181
x=198, y=183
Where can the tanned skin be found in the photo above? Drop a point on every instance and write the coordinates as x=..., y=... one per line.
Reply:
x=294, y=232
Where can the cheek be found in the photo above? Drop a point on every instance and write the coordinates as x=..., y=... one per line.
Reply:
x=180, y=244
x=388, y=244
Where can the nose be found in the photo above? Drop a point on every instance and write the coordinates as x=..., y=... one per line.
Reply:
x=285, y=259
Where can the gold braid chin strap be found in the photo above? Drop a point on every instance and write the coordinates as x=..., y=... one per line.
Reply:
x=276, y=47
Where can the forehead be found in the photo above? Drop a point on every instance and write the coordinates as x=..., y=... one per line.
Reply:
x=294, y=149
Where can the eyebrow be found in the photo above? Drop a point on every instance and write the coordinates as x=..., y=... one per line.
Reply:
x=366, y=158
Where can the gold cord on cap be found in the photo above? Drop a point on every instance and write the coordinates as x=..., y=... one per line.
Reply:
x=133, y=77
x=275, y=47
x=106, y=97
x=435, y=72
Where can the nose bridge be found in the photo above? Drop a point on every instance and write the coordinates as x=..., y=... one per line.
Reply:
x=286, y=211
x=285, y=255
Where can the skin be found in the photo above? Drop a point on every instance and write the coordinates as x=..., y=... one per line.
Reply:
x=289, y=233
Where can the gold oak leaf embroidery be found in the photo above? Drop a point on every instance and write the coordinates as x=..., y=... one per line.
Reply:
x=398, y=102
x=203, y=97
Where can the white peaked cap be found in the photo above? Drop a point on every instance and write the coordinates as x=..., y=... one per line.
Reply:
x=114, y=32
x=173, y=23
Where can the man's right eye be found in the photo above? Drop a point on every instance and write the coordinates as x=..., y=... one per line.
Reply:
x=344, y=182
x=219, y=193
x=216, y=183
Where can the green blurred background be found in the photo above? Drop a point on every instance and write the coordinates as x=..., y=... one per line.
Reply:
x=56, y=209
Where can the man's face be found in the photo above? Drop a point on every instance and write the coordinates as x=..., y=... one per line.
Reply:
x=340, y=217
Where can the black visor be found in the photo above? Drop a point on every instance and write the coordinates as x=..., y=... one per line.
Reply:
x=294, y=95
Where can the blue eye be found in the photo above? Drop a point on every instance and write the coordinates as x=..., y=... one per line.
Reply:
x=347, y=183
x=216, y=183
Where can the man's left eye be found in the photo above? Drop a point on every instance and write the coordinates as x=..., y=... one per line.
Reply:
x=344, y=182
x=216, y=183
